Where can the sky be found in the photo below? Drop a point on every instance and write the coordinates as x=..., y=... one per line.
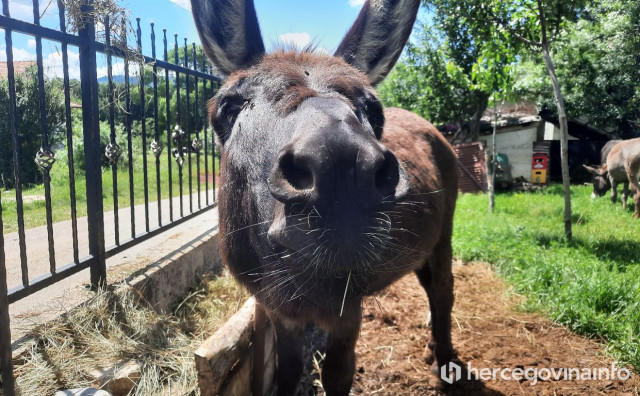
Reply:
x=296, y=21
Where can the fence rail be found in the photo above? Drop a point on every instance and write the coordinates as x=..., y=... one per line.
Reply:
x=184, y=138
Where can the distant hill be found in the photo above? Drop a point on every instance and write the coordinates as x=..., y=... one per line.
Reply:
x=118, y=80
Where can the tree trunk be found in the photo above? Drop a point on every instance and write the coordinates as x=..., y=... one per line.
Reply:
x=564, y=143
x=482, y=100
x=492, y=160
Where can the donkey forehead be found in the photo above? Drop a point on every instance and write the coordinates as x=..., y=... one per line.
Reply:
x=286, y=79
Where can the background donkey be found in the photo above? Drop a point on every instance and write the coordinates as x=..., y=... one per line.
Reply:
x=600, y=180
x=622, y=166
x=325, y=197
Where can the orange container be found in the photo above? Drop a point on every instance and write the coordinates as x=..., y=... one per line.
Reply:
x=539, y=176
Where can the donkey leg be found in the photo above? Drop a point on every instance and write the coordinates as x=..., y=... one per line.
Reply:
x=625, y=194
x=614, y=191
x=632, y=170
x=290, y=340
x=340, y=361
x=437, y=280
x=635, y=190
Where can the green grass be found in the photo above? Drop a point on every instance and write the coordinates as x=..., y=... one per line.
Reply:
x=591, y=285
x=34, y=203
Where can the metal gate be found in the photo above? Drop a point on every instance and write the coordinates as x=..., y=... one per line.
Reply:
x=179, y=149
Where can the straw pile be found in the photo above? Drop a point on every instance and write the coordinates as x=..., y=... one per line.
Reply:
x=118, y=327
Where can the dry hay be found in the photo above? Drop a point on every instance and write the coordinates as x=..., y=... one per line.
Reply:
x=119, y=326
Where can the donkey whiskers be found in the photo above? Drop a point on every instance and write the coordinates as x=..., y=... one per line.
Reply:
x=345, y=294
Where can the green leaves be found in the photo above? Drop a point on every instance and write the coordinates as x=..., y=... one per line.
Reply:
x=444, y=75
x=597, y=65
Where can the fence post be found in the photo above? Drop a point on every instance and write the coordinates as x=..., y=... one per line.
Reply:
x=92, y=153
x=6, y=355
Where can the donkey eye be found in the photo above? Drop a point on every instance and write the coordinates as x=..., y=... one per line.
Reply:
x=226, y=114
x=374, y=114
x=230, y=108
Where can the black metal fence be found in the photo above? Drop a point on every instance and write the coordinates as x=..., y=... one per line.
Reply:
x=181, y=146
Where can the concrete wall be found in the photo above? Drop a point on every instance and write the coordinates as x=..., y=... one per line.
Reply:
x=518, y=146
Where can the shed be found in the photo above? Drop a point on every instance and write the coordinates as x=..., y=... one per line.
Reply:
x=520, y=128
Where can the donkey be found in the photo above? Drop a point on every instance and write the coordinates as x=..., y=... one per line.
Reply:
x=326, y=197
x=622, y=166
x=601, y=184
x=606, y=149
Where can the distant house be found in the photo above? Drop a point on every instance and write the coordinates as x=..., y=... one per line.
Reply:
x=19, y=67
x=520, y=128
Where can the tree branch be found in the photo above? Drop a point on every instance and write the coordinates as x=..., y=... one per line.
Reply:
x=543, y=22
x=511, y=30
x=556, y=28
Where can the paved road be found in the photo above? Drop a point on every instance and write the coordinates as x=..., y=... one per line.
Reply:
x=38, y=247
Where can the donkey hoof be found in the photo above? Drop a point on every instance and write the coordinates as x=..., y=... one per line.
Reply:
x=428, y=356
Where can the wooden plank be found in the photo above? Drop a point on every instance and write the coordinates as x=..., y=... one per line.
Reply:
x=239, y=380
x=269, y=358
x=471, y=164
x=221, y=352
x=471, y=176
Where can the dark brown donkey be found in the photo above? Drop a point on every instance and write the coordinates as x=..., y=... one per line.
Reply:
x=325, y=197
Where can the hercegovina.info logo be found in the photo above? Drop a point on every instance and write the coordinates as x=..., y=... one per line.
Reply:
x=452, y=372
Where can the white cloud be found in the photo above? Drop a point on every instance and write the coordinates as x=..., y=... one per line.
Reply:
x=19, y=54
x=21, y=9
x=300, y=40
x=356, y=3
x=53, y=64
x=31, y=43
x=182, y=4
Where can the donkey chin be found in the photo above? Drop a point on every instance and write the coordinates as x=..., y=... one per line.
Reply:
x=323, y=264
x=333, y=248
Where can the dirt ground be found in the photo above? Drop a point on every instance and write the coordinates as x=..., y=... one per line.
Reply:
x=487, y=332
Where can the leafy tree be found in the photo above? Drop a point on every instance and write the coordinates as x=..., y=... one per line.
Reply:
x=28, y=125
x=429, y=82
x=597, y=64
x=449, y=77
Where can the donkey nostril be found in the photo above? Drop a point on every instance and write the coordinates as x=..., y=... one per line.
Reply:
x=387, y=176
x=299, y=176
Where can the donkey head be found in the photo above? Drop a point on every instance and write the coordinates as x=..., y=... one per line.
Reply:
x=600, y=180
x=303, y=167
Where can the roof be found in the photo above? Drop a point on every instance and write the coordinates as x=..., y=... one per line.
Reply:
x=509, y=114
x=19, y=67
x=511, y=111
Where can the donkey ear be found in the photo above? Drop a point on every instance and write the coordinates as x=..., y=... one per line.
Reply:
x=229, y=32
x=376, y=39
x=594, y=170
